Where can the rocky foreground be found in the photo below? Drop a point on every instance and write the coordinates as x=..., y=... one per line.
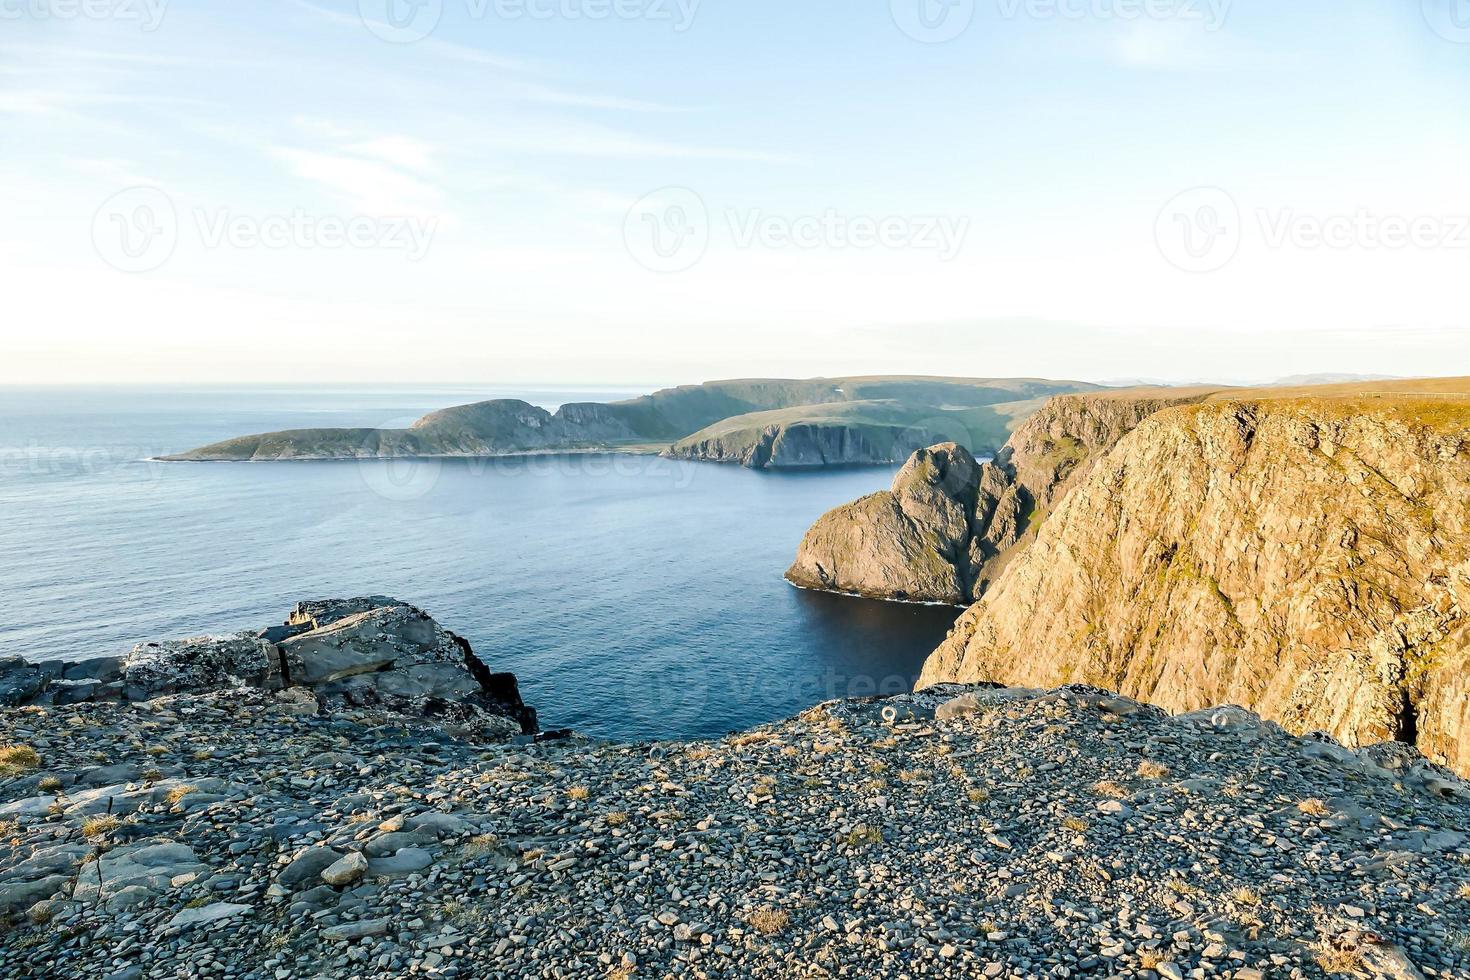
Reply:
x=255, y=834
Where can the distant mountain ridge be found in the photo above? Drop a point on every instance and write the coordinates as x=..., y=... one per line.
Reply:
x=816, y=422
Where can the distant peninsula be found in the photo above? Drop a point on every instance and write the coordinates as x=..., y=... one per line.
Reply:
x=759, y=423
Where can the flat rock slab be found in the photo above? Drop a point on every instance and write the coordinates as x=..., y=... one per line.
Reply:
x=207, y=914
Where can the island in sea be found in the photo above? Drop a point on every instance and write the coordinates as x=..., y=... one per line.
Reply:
x=760, y=423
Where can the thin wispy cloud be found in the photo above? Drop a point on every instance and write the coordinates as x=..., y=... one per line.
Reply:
x=432, y=45
x=598, y=141
x=369, y=186
x=550, y=96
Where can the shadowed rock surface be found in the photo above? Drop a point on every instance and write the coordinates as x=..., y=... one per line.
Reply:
x=885, y=547
x=335, y=653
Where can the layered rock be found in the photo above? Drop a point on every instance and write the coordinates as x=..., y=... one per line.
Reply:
x=1305, y=557
x=862, y=434
x=906, y=543
x=372, y=652
x=880, y=548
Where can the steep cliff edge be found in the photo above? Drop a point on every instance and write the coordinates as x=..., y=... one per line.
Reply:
x=909, y=543
x=1307, y=557
x=881, y=547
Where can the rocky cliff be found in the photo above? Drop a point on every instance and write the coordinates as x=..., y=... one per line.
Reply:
x=884, y=546
x=1305, y=556
x=334, y=654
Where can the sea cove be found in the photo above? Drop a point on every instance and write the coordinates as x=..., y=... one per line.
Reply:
x=599, y=579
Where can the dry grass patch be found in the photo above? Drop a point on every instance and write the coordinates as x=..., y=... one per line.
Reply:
x=578, y=793
x=1075, y=823
x=1246, y=896
x=16, y=759
x=176, y=794
x=1313, y=808
x=978, y=795
x=751, y=738
x=768, y=921
x=1149, y=769
x=1150, y=959
x=100, y=826
x=1339, y=961
x=1464, y=892
x=616, y=819
x=863, y=836
x=49, y=784
x=479, y=846
x=1110, y=788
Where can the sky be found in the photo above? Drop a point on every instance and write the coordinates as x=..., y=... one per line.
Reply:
x=670, y=191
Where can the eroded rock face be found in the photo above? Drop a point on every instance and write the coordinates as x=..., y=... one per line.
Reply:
x=893, y=546
x=909, y=542
x=1309, y=561
x=336, y=653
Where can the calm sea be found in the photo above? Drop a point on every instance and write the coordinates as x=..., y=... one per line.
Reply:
x=635, y=597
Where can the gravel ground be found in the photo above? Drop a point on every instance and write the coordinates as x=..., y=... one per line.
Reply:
x=1016, y=834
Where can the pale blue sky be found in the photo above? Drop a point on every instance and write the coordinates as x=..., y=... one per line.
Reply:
x=489, y=169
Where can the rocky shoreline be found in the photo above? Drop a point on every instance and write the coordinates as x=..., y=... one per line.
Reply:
x=369, y=652
x=254, y=833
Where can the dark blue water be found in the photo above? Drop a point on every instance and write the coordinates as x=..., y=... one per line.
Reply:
x=635, y=597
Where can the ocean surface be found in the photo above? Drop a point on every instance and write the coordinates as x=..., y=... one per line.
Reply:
x=635, y=597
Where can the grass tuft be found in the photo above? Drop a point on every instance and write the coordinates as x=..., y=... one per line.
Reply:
x=768, y=921
x=16, y=759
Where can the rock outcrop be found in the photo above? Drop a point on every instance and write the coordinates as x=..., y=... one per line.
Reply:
x=372, y=652
x=909, y=543
x=884, y=547
x=805, y=444
x=1307, y=557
